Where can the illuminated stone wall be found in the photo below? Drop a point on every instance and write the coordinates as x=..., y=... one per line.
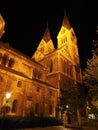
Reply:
x=25, y=79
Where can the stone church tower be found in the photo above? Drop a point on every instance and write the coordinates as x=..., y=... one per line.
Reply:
x=63, y=65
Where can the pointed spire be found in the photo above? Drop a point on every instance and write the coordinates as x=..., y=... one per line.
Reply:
x=47, y=36
x=65, y=22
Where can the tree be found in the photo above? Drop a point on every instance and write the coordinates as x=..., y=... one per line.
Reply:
x=90, y=78
x=72, y=100
x=72, y=97
x=90, y=74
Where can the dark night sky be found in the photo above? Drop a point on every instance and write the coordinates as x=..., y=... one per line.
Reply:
x=26, y=22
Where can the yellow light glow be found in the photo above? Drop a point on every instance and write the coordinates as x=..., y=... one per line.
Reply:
x=8, y=95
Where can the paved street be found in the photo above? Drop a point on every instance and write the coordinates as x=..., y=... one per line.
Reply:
x=63, y=128
x=53, y=128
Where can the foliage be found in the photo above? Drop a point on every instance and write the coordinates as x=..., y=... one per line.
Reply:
x=90, y=79
x=73, y=98
x=90, y=74
x=93, y=109
x=14, y=122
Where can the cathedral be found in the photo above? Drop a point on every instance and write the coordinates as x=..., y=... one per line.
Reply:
x=34, y=83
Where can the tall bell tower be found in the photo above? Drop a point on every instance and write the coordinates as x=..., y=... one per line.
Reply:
x=63, y=65
x=69, y=62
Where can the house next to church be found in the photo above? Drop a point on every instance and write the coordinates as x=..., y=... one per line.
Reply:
x=35, y=82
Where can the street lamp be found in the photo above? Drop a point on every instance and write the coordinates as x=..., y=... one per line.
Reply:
x=8, y=95
x=6, y=107
x=67, y=106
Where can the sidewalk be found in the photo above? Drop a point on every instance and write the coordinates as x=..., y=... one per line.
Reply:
x=73, y=126
x=90, y=125
x=48, y=128
x=89, y=128
x=83, y=127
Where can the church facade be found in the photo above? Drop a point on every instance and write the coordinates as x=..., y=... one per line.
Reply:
x=35, y=82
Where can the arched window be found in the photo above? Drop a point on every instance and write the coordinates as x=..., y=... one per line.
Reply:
x=77, y=69
x=14, y=106
x=35, y=72
x=55, y=63
x=19, y=84
x=63, y=66
x=37, y=108
x=11, y=62
x=38, y=89
x=1, y=79
x=39, y=75
x=51, y=65
x=71, y=70
x=68, y=69
x=50, y=109
x=0, y=56
x=4, y=59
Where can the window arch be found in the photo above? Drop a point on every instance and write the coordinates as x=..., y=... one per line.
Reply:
x=1, y=79
x=63, y=66
x=50, y=109
x=4, y=59
x=39, y=74
x=19, y=84
x=11, y=62
x=37, y=108
x=0, y=56
x=51, y=65
x=14, y=106
x=35, y=72
x=55, y=63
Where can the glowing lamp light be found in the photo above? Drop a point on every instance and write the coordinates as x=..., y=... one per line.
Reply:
x=67, y=106
x=8, y=95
